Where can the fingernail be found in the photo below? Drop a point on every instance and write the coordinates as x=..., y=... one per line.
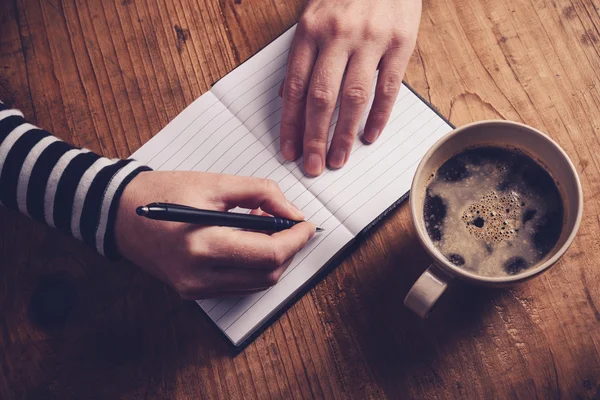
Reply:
x=372, y=135
x=295, y=209
x=314, y=164
x=287, y=149
x=338, y=158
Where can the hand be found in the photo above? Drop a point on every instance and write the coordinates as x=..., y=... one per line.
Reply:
x=200, y=261
x=333, y=37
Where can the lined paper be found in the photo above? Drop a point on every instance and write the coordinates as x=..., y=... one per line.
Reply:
x=234, y=129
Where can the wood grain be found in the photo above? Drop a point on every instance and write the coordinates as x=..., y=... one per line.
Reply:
x=108, y=75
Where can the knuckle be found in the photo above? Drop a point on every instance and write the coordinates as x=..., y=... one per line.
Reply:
x=321, y=98
x=188, y=289
x=390, y=86
x=189, y=244
x=270, y=186
x=194, y=248
x=356, y=95
x=378, y=113
x=295, y=88
x=273, y=277
x=372, y=32
x=289, y=127
x=378, y=117
x=308, y=25
x=221, y=183
x=277, y=257
x=316, y=26
x=339, y=26
x=346, y=138
x=402, y=38
x=315, y=144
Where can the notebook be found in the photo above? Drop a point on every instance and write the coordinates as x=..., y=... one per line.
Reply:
x=234, y=129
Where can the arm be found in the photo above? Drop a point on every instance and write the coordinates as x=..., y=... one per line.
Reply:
x=73, y=190
x=94, y=199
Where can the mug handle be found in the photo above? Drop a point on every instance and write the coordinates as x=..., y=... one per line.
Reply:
x=426, y=291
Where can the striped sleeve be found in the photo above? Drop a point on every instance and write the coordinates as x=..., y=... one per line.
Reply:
x=71, y=189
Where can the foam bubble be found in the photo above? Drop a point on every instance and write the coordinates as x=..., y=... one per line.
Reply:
x=494, y=217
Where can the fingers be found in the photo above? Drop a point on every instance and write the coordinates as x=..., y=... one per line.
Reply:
x=244, y=279
x=260, y=213
x=391, y=71
x=218, y=282
x=294, y=89
x=252, y=193
x=322, y=97
x=243, y=262
x=243, y=249
x=355, y=98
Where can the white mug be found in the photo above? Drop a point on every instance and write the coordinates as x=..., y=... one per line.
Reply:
x=432, y=283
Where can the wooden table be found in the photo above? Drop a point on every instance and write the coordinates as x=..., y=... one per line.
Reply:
x=108, y=75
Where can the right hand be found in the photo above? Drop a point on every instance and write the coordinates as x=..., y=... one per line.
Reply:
x=208, y=261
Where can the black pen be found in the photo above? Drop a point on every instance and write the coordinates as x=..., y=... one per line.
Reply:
x=191, y=215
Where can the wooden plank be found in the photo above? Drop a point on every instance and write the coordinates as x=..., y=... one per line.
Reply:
x=108, y=75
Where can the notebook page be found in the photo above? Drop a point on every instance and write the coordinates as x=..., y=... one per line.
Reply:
x=159, y=151
x=251, y=93
x=235, y=129
x=379, y=174
x=208, y=136
x=239, y=317
x=375, y=176
x=263, y=75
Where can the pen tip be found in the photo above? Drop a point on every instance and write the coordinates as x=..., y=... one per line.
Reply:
x=141, y=211
x=319, y=229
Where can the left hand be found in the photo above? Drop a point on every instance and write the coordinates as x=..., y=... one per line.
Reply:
x=333, y=37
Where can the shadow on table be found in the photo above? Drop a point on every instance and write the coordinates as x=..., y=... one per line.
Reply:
x=109, y=335
x=399, y=348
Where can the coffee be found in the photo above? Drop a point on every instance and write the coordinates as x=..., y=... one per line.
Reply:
x=493, y=211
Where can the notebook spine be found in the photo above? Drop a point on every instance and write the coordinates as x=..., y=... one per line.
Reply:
x=381, y=216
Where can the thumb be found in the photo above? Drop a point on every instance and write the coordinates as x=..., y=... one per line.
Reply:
x=252, y=193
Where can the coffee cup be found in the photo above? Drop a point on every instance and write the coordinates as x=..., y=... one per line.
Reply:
x=433, y=282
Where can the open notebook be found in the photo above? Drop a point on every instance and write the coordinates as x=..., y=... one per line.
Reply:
x=234, y=129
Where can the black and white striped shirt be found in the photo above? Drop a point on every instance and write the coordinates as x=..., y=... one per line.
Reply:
x=71, y=189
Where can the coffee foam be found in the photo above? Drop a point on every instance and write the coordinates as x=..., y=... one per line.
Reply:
x=488, y=226
x=495, y=217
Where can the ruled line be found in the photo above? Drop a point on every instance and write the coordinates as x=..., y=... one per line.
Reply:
x=218, y=115
x=339, y=208
x=254, y=111
x=299, y=163
x=341, y=224
x=377, y=145
x=220, y=99
x=375, y=165
x=223, y=124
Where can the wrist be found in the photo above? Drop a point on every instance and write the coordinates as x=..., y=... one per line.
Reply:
x=120, y=205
